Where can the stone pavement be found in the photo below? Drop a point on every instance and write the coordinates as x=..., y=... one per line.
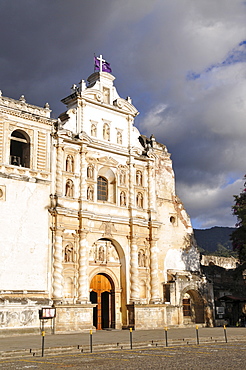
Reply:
x=118, y=338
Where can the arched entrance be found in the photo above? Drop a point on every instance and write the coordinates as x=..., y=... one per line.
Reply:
x=193, y=307
x=102, y=292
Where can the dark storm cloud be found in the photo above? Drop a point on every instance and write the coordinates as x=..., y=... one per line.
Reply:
x=153, y=46
x=44, y=44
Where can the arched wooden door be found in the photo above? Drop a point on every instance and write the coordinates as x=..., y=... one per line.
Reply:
x=102, y=293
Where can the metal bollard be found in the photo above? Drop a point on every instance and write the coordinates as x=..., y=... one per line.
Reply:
x=131, y=338
x=166, y=336
x=197, y=336
x=225, y=334
x=91, y=341
x=43, y=335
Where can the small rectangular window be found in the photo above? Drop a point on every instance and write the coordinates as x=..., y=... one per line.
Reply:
x=186, y=307
x=102, y=188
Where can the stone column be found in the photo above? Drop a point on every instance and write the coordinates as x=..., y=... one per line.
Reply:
x=83, y=290
x=134, y=283
x=59, y=169
x=150, y=186
x=57, y=268
x=154, y=281
x=131, y=183
x=83, y=173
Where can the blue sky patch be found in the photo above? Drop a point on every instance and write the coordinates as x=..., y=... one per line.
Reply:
x=236, y=55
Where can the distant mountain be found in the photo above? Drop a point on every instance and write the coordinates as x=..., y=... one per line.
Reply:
x=215, y=240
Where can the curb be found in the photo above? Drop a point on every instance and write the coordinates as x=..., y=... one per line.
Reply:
x=36, y=352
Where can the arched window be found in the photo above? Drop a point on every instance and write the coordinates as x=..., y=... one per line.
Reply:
x=20, y=149
x=102, y=188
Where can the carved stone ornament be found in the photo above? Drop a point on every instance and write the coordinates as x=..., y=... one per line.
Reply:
x=99, y=97
x=109, y=161
x=108, y=228
x=103, y=251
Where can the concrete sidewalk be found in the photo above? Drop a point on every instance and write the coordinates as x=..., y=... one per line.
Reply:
x=114, y=338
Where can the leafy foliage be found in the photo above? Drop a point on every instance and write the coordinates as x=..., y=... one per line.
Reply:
x=238, y=236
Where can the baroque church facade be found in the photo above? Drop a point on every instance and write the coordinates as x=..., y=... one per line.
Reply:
x=90, y=221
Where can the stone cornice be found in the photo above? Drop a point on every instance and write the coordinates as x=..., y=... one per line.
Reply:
x=25, y=111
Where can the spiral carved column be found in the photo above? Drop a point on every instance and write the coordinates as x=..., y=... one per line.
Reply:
x=57, y=267
x=154, y=281
x=83, y=289
x=134, y=283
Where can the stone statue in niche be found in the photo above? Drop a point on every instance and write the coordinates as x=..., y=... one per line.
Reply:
x=139, y=178
x=123, y=199
x=119, y=137
x=68, y=253
x=139, y=200
x=122, y=177
x=90, y=172
x=106, y=95
x=141, y=258
x=69, y=163
x=108, y=228
x=103, y=251
x=90, y=193
x=106, y=132
x=69, y=188
x=93, y=130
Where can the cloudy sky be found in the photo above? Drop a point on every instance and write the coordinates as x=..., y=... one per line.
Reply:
x=183, y=62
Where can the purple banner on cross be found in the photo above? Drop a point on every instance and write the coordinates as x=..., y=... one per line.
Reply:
x=100, y=65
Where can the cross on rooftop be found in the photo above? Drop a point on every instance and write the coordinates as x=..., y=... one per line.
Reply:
x=100, y=64
x=101, y=61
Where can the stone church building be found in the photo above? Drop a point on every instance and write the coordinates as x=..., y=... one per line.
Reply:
x=90, y=221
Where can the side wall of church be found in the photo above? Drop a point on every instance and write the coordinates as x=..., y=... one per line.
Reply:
x=24, y=236
x=25, y=240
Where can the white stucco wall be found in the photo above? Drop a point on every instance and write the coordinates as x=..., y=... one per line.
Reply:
x=24, y=236
x=178, y=259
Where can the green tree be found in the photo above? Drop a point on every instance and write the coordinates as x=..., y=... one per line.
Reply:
x=238, y=236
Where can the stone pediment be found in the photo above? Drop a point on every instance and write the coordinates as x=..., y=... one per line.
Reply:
x=126, y=106
x=109, y=161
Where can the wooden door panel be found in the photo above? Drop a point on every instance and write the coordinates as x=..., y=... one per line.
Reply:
x=100, y=284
